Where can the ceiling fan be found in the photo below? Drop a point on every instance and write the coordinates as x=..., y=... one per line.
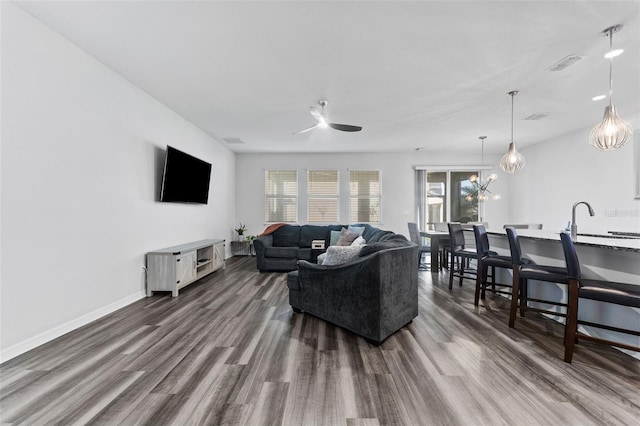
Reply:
x=322, y=120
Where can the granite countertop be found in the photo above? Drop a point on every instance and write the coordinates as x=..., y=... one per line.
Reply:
x=606, y=241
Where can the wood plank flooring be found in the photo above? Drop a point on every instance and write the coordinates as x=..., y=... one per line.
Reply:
x=229, y=350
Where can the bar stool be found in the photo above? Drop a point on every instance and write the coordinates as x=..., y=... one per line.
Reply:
x=601, y=291
x=460, y=256
x=488, y=259
x=523, y=272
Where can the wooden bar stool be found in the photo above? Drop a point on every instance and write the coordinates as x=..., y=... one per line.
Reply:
x=623, y=294
x=460, y=256
x=523, y=272
x=488, y=259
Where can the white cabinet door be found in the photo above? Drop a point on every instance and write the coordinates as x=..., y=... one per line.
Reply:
x=218, y=256
x=185, y=268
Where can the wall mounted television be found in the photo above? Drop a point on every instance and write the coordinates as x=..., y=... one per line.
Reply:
x=185, y=178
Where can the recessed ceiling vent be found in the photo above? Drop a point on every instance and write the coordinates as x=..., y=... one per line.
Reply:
x=564, y=63
x=233, y=140
x=538, y=116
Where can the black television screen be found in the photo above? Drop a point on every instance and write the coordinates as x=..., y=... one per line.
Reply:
x=185, y=178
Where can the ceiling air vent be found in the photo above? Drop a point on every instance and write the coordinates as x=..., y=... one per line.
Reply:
x=564, y=63
x=538, y=116
x=233, y=140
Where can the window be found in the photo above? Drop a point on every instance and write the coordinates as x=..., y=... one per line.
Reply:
x=446, y=197
x=281, y=195
x=323, y=192
x=364, y=196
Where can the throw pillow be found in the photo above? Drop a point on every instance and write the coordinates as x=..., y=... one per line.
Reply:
x=346, y=237
x=356, y=229
x=335, y=235
x=337, y=255
x=359, y=242
x=321, y=258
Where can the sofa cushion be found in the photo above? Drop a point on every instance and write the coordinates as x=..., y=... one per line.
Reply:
x=379, y=235
x=304, y=253
x=287, y=236
x=281, y=252
x=346, y=237
x=308, y=233
x=383, y=245
x=337, y=255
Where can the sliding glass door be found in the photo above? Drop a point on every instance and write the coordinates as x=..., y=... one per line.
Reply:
x=446, y=197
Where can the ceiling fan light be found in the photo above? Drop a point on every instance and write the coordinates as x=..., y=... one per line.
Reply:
x=612, y=133
x=512, y=161
x=613, y=53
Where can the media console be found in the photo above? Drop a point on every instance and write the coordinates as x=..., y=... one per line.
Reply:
x=172, y=268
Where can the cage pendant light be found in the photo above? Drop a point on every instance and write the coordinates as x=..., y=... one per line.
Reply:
x=512, y=161
x=612, y=132
x=482, y=189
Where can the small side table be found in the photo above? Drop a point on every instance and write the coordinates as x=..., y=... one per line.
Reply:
x=242, y=248
x=317, y=248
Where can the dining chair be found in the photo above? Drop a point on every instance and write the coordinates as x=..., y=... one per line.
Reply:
x=445, y=247
x=602, y=291
x=414, y=236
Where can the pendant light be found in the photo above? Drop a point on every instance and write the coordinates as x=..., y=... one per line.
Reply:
x=612, y=132
x=481, y=189
x=512, y=161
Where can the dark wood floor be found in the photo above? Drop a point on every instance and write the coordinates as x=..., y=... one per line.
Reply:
x=229, y=350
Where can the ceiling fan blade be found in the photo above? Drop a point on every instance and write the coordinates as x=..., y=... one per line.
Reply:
x=315, y=112
x=306, y=130
x=345, y=127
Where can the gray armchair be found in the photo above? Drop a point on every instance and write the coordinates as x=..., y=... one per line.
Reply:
x=373, y=295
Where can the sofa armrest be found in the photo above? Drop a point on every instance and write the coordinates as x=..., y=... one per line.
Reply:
x=259, y=245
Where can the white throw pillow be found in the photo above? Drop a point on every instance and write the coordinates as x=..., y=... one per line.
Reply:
x=359, y=241
x=337, y=255
x=321, y=258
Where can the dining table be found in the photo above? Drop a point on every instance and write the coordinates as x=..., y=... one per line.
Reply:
x=436, y=237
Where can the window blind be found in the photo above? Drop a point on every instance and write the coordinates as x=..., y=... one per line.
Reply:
x=323, y=191
x=365, y=191
x=281, y=196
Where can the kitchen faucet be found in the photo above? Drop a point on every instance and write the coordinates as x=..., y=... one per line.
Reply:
x=574, y=226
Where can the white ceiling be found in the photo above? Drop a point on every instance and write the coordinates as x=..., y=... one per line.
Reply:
x=430, y=74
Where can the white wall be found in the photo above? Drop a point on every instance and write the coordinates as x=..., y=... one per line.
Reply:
x=82, y=153
x=563, y=171
x=398, y=199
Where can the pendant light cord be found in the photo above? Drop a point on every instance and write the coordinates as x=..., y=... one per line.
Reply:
x=512, y=94
x=610, y=67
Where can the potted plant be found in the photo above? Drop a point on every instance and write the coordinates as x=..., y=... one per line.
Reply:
x=240, y=230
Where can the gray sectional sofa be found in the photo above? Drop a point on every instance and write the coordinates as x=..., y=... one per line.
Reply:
x=283, y=248
x=373, y=295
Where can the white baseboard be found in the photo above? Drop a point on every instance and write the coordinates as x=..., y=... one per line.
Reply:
x=47, y=336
